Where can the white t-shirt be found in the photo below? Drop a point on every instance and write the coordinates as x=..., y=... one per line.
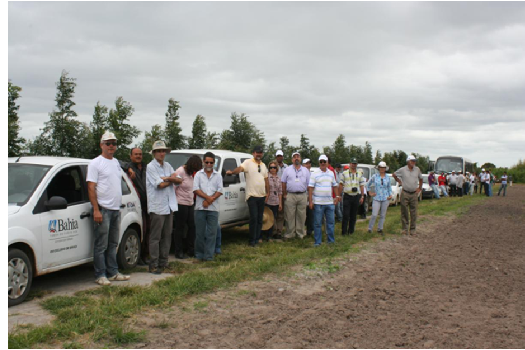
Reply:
x=107, y=174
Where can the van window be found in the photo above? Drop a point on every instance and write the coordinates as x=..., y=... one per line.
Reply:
x=229, y=164
x=366, y=172
x=23, y=179
x=68, y=184
x=125, y=187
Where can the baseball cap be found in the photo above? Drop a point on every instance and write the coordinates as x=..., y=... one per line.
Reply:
x=296, y=152
x=108, y=135
x=306, y=160
x=353, y=161
x=257, y=149
x=279, y=153
x=323, y=157
x=411, y=157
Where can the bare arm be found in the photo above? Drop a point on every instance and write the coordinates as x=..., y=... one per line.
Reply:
x=310, y=197
x=92, y=193
x=235, y=171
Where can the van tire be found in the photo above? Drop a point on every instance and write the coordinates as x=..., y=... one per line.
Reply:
x=20, y=276
x=128, y=254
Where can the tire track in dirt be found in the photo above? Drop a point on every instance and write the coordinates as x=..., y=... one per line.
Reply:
x=458, y=284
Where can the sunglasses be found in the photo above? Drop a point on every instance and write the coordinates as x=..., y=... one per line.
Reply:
x=322, y=161
x=259, y=167
x=209, y=162
x=110, y=143
x=273, y=167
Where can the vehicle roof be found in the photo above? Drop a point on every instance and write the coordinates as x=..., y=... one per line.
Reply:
x=46, y=160
x=218, y=152
x=359, y=164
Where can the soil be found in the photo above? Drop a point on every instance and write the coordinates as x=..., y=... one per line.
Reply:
x=458, y=283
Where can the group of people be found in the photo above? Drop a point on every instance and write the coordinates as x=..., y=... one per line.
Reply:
x=180, y=208
x=456, y=184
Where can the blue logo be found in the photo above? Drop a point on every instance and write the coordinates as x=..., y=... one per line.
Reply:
x=52, y=226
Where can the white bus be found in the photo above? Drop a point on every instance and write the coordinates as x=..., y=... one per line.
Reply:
x=447, y=164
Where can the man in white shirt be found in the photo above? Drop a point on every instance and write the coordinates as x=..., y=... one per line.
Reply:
x=503, y=184
x=105, y=194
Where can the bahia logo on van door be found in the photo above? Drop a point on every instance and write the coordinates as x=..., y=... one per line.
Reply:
x=62, y=225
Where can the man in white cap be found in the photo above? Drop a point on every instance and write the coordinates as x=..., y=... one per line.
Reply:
x=484, y=179
x=295, y=181
x=320, y=187
x=279, y=222
x=411, y=179
x=453, y=184
x=307, y=163
x=162, y=202
x=105, y=194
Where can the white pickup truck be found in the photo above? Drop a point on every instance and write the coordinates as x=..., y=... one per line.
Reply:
x=49, y=220
x=233, y=207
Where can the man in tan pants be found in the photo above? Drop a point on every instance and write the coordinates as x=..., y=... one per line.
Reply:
x=411, y=179
x=295, y=185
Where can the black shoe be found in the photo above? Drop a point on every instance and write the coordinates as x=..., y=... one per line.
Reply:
x=380, y=232
x=155, y=271
x=180, y=256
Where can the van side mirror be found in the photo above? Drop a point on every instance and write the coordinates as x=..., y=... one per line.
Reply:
x=229, y=179
x=56, y=203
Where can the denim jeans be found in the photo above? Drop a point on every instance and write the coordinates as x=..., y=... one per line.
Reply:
x=326, y=211
x=504, y=188
x=486, y=187
x=256, y=207
x=106, y=242
x=436, y=192
x=339, y=211
x=206, y=222
x=490, y=189
x=218, y=240
x=444, y=189
x=377, y=207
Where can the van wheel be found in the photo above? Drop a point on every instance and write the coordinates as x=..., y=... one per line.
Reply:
x=20, y=276
x=129, y=249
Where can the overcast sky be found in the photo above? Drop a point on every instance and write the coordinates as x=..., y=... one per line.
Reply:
x=431, y=78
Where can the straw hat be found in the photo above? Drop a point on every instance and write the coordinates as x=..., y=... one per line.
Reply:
x=267, y=219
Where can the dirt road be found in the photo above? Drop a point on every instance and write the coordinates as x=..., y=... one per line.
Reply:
x=460, y=283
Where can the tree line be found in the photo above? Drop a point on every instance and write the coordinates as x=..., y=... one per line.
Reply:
x=64, y=135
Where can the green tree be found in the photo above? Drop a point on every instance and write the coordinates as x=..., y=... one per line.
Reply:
x=15, y=143
x=63, y=135
x=269, y=153
x=118, y=119
x=198, y=133
x=241, y=136
x=97, y=127
x=150, y=137
x=339, y=152
x=174, y=137
x=367, y=154
x=378, y=158
x=212, y=140
x=287, y=149
x=488, y=166
x=307, y=150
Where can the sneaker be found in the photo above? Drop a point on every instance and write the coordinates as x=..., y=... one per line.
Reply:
x=103, y=281
x=180, y=256
x=369, y=231
x=119, y=277
x=380, y=232
x=218, y=251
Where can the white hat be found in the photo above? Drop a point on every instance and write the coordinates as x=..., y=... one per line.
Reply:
x=279, y=153
x=159, y=145
x=296, y=152
x=323, y=157
x=411, y=157
x=306, y=160
x=482, y=169
x=108, y=136
x=382, y=165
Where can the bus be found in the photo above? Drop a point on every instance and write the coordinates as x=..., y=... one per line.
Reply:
x=447, y=164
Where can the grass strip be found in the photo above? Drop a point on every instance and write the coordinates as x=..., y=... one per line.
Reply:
x=102, y=312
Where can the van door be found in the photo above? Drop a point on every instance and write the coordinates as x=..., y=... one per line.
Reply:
x=232, y=195
x=67, y=235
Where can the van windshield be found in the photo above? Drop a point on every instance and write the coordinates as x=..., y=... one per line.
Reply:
x=178, y=159
x=366, y=172
x=22, y=181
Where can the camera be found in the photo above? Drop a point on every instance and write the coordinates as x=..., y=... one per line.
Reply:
x=354, y=189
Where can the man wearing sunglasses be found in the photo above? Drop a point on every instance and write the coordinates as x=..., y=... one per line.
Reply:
x=162, y=202
x=105, y=194
x=295, y=181
x=257, y=186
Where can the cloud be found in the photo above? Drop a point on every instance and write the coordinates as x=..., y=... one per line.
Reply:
x=421, y=77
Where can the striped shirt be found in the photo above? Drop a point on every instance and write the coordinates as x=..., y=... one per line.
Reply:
x=322, y=182
x=350, y=180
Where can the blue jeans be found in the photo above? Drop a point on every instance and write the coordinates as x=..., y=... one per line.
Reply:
x=444, y=189
x=218, y=240
x=256, y=207
x=106, y=242
x=436, y=190
x=326, y=211
x=504, y=188
x=206, y=222
x=490, y=189
x=339, y=211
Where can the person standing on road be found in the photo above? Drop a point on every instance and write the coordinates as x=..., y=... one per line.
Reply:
x=162, y=203
x=185, y=216
x=137, y=172
x=320, y=189
x=380, y=189
x=279, y=222
x=411, y=179
x=207, y=186
x=432, y=182
x=274, y=198
x=503, y=186
x=257, y=187
x=105, y=194
x=452, y=182
x=307, y=163
x=295, y=181
x=352, y=184
x=442, y=180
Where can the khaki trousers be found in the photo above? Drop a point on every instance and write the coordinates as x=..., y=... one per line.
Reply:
x=408, y=203
x=295, y=214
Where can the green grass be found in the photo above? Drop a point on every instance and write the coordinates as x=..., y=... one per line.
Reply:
x=97, y=311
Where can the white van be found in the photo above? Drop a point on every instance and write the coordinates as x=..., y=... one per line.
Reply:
x=49, y=220
x=233, y=207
